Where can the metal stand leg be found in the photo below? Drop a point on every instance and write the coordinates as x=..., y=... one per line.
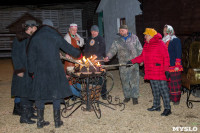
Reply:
x=189, y=102
x=88, y=108
x=90, y=97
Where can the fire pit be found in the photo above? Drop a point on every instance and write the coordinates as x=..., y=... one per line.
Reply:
x=90, y=79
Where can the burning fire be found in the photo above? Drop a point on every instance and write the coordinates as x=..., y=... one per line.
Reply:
x=98, y=64
x=90, y=64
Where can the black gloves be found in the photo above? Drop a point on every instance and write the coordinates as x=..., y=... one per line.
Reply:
x=129, y=63
x=167, y=74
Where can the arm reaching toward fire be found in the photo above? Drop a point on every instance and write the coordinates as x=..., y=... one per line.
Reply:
x=112, y=52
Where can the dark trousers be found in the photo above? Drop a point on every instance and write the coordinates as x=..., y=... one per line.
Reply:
x=24, y=101
x=103, y=90
x=160, y=88
x=40, y=104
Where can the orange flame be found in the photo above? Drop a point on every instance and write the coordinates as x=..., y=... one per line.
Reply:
x=98, y=64
x=84, y=59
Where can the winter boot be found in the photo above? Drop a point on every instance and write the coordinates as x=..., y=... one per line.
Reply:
x=24, y=116
x=40, y=119
x=31, y=113
x=126, y=100
x=57, y=120
x=16, y=110
x=135, y=101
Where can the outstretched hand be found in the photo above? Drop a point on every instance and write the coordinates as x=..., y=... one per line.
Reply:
x=106, y=59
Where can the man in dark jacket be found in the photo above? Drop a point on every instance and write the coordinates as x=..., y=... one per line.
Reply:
x=95, y=45
x=44, y=64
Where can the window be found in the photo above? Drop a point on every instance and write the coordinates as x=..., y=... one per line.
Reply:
x=120, y=21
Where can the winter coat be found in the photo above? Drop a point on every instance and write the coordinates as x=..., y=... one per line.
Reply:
x=125, y=50
x=19, y=60
x=155, y=57
x=44, y=63
x=95, y=46
x=175, y=50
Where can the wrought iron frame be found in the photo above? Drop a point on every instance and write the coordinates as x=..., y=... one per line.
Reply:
x=90, y=95
x=193, y=88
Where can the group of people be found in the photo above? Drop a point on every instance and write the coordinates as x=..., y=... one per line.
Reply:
x=162, y=65
x=40, y=76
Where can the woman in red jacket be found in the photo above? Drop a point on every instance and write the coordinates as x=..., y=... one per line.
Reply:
x=156, y=63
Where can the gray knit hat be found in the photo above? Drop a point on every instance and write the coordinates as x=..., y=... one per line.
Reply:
x=94, y=28
x=30, y=23
x=47, y=22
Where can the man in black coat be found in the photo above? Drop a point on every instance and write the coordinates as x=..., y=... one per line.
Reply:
x=95, y=45
x=44, y=64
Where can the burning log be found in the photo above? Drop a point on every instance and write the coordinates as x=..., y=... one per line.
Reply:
x=71, y=60
x=86, y=65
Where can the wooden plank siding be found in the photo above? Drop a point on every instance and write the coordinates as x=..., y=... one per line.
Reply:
x=61, y=19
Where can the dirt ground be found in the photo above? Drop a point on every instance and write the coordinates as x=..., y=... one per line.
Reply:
x=134, y=119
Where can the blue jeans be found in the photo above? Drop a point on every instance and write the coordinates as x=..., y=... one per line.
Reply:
x=17, y=100
x=75, y=91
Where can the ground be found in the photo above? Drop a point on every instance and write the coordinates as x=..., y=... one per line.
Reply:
x=134, y=119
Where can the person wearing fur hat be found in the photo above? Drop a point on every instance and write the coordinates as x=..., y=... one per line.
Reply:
x=127, y=46
x=95, y=45
x=175, y=53
x=156, y=64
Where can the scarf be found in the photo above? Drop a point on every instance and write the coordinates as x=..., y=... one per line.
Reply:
x=170, y=32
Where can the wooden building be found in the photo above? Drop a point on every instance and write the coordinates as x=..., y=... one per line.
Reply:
x=17, y=25
x=183, y=15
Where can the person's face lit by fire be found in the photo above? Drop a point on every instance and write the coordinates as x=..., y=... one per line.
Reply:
x=73, y=30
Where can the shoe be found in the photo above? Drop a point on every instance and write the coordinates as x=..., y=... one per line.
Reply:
x=73, y=98
x=126, y=100
x=40, y=119
x=24, y=115
x=176, y=103
x=57, y=120
x=154, y=108
x=104, y=97
x=16, y=110
x=166, y=112
x=135, y=101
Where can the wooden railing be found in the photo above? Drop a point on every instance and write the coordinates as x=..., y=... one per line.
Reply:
x=6, y=44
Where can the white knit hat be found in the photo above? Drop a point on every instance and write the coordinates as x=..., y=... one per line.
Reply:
x=73, y=25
